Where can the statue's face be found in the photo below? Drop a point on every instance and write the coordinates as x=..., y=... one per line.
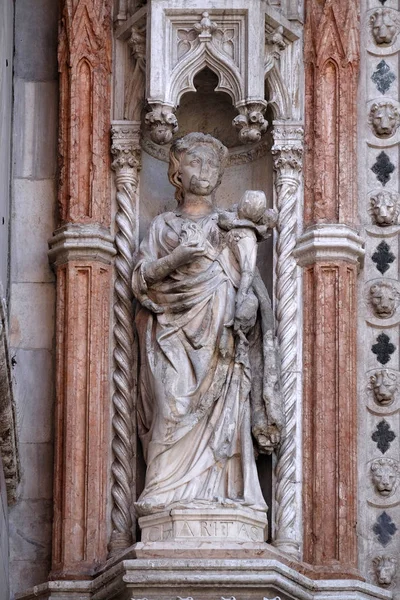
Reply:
x=199, y=170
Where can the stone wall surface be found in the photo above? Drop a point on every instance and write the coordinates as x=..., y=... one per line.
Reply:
x=6, y=52
x=32, y=291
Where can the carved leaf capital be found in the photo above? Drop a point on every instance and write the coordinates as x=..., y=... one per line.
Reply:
x=125, y=146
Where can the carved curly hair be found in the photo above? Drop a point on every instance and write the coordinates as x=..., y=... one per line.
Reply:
x=182, y=145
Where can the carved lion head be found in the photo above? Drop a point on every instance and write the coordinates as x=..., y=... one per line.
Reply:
x=385, y=476
x=385, y=569
x=384, y=299
x=385, y=208
x=383, y=27
x=384, y=118
x=384, y=385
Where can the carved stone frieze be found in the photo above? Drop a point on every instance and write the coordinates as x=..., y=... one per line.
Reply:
x=384, y=384
x=385, y=475
x=384, y=27
x=384, y=299
x=385, y=569
x=385, y=208
x=384, y=118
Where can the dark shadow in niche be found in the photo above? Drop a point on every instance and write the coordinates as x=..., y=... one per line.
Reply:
x=208, y=111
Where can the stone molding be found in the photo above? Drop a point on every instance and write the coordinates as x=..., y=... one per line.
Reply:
x=8, y=425
x=255, y=579
x=76, y=241
x=330, y=243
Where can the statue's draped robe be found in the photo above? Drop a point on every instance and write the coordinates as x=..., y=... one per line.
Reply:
x=194, y=416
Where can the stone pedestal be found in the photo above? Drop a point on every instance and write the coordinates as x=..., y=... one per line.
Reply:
x=253, y=578
x=195, y=527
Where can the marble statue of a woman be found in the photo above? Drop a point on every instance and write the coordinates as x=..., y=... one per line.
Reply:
x=209, y=394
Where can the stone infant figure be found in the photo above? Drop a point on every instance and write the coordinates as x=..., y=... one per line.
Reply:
x=250, y=222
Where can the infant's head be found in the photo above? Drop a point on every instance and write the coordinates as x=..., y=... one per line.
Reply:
x=252, y=205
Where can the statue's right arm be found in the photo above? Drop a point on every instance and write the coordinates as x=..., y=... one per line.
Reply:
x=159, y=269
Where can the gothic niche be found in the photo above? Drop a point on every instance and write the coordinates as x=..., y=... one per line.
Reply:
x=384, y=208
x=383, y=27
x=384, y=385
x=384, y=299
x=385, y=569
x=384, y=118
x=385, y=476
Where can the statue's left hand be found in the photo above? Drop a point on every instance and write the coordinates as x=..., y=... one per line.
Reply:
x=246, y=311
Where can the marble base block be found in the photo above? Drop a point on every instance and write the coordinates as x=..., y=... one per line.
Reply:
x=197, y=526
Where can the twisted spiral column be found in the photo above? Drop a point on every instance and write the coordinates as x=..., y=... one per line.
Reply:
x=125, y=149
x=287, y=154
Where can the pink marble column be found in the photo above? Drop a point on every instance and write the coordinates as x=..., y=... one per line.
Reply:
x=329, y=250
x=82, y=251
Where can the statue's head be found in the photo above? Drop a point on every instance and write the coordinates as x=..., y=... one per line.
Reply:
x=196, y=164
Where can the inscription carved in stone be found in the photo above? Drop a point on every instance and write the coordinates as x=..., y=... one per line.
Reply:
x=384, y=118
x=385, y=476
x=384, y=385
x=384, y=299
x=383, y=436
x=384, y=29
x=385, y=208
x=385, y=569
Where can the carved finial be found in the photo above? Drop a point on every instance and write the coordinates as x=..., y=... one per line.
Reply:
x=205, y=28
